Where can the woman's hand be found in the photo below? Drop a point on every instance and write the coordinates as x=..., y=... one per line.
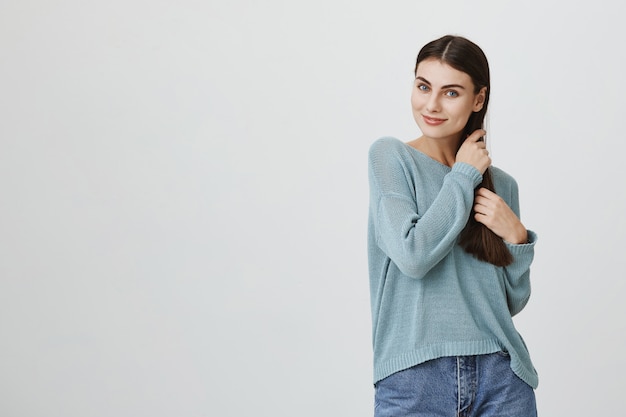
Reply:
x=492, y=211
x=474, y=151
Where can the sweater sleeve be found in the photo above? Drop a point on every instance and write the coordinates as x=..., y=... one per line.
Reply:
x=518, y=273
x=416, y=240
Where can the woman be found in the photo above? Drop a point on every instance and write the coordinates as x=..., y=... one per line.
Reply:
x=448, y=255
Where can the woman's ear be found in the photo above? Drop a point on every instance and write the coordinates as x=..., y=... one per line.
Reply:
x=479, y=101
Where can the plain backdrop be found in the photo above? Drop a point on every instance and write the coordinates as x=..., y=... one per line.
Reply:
x=183, y=197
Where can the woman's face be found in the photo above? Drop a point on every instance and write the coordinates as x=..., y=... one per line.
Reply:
x=443, y=99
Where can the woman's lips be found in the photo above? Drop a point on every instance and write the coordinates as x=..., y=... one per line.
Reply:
x=432, y=121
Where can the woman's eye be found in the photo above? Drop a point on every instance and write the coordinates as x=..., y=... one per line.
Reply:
x=422, y=87
x=452, y=93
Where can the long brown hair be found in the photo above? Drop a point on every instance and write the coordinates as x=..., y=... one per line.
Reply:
x=464, y=55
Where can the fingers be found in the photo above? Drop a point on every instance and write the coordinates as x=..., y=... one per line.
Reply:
x=477, y=136
x=483, y=212
x=492, y=211
x=487, y=193
x=482, y=206
x=486, y=201
x=474, y=152
x=475, y=141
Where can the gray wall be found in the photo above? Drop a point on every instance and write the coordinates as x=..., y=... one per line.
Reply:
x=183, y=197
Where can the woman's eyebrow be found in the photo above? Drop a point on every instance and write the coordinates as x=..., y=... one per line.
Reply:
x=445, y=86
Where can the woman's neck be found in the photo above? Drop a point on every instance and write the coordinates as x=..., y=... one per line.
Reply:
x=441, y=150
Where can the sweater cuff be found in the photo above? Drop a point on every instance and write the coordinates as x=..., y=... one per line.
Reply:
x=523, y=247
x=469, y=171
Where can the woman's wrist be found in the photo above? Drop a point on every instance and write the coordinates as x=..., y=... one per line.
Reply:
x=519, y=236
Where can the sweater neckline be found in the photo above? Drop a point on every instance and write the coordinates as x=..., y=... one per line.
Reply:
x=424, y=156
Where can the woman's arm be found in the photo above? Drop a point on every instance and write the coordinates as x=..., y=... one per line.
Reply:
x=504, y=220
x=517, y=282
x=414, y=241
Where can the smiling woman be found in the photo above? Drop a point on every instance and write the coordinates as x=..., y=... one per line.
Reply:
x=449, y=257
x=447, y=101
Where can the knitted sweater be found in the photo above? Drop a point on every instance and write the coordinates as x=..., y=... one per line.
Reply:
x=429, y=298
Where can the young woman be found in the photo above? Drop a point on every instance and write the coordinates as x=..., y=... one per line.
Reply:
x=448, y=255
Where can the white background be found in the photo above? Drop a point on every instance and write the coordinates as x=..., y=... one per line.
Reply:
x=183, y=197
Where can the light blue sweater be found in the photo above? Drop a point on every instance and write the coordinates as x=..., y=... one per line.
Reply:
x=430, y=298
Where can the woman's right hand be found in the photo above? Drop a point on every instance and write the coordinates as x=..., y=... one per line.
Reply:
x=474, y=151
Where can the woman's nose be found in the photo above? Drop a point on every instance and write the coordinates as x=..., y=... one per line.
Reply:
x=433, y=104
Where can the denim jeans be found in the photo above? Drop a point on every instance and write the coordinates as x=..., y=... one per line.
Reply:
x=459, y=386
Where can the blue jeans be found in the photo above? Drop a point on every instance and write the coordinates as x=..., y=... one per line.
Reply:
x=460, y=386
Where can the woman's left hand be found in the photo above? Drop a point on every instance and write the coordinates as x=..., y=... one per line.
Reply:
x=492, y=211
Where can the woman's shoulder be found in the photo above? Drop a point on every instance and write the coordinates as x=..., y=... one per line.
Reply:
x=390, y=155
x=386, y=144
x=502, y=179
x=389, y=152
x=501, y=174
